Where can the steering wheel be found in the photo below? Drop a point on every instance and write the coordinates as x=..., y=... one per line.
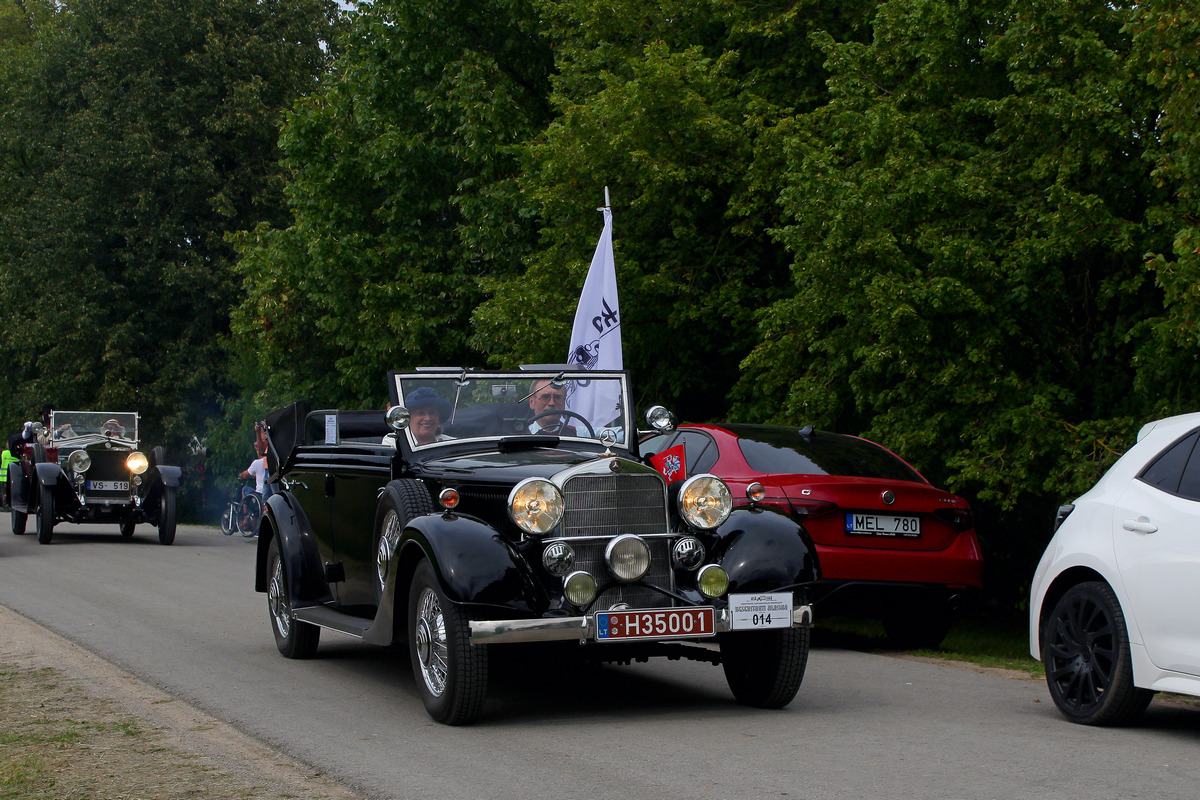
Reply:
x=562, y=413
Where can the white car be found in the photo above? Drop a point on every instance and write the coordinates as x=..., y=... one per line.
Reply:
x=1114, y=603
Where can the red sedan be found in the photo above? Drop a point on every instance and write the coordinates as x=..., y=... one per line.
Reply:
x=891, y=546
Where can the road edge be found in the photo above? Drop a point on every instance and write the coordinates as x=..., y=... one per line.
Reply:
x=217, y=743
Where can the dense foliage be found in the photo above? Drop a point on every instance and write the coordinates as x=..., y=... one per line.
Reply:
x=136, y=135
x=969, y=230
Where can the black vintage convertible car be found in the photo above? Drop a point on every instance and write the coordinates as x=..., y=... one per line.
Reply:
x=487, y=508
x=86, y=467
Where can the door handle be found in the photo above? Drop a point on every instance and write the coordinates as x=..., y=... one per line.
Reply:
x=1139, y=525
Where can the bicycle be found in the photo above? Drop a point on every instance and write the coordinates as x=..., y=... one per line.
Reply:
x=243, y=512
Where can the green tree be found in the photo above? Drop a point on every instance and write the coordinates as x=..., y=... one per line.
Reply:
x=402, y=194
x=1167, y=51
x=147, y=131
x=967, y=220
x=674, y=106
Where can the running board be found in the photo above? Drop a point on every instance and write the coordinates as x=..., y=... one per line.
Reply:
x=324, y=617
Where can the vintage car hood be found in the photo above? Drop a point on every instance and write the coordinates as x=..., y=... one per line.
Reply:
x=498, y=467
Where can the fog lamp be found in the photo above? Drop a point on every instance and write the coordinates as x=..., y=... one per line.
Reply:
x=628, y=557
x=137, y=462
x=755, y=492
x=712, y=581
x=580, y=588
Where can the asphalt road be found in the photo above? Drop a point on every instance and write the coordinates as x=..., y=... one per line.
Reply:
x=186, y=620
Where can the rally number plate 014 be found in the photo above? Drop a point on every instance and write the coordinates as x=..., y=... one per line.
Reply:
x=661, y=623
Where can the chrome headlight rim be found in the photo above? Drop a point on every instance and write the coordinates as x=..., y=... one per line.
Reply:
x=627, y=557
x=536, y=505
x=705, y=501
x=136, y=462
x=660, y=419
x=579, y=588
x=687, y=553
x=558, y=558
x=79, y=461
x=712, y=580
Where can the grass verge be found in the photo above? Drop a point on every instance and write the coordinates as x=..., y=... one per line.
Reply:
x=994, y=642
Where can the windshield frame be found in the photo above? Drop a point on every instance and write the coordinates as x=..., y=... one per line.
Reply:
x=452, y=384
x=81, y=428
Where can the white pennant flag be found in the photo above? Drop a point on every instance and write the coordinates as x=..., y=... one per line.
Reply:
x=596, y=336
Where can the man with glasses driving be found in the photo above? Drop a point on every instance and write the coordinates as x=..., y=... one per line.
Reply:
x=545, y=399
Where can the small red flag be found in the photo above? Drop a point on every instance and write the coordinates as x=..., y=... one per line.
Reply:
x=672, y=463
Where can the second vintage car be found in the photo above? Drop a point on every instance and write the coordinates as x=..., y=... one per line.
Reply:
x=87, y=468
x=507, y=507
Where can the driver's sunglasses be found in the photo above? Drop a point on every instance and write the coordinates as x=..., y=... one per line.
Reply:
x=552, y=397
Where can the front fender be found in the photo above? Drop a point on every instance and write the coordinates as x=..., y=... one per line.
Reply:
x=285, y=520
x=765, y=550
x=474, y=563
x=159, y=478
x=48, y=473
x=51, y=475
x=170, y=476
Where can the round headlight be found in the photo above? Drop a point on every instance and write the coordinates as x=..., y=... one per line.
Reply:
x=79, y=461
x=137, y=462
x=628, y=557
x=756, y=492
x=558, y=558
x=712, y=581
x=580, y=588
x=705, y=501
x=535, y=505
x=449, y=498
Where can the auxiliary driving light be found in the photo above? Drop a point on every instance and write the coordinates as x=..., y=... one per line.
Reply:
x=712, y=581
x=628, y=557
x=580, y=588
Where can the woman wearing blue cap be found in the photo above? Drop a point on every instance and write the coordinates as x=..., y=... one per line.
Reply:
x=426, y=411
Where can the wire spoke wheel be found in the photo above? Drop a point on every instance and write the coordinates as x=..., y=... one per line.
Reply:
x=431, y=642
x=295, y=639
x=449, y=672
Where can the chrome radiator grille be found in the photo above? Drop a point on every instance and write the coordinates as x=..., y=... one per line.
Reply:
x=600, y=507
x=608, y=505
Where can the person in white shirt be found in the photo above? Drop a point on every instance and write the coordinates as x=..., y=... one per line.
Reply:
x=258, y=471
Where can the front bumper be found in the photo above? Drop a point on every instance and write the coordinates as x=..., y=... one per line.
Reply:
x=583, y=629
